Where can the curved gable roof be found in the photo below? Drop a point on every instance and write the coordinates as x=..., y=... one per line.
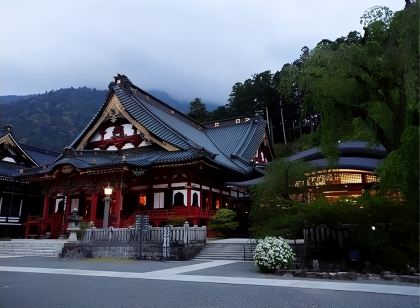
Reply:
x=231, y=147
x=352, y=155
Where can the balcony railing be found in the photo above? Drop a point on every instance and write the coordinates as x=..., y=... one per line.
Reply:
x=182, y=212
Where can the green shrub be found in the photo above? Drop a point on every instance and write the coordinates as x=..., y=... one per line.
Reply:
x=177, y=221
x=83, y=226
x=224, y=221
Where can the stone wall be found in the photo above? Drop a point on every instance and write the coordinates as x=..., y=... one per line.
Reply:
x=149, y=251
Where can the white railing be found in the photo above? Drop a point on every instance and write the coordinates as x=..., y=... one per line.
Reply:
x=184, y=234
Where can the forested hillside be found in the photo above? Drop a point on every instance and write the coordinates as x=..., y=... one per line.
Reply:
x=52, y=120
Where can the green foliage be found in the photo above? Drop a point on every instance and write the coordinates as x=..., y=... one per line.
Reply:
x=83, y=226
x=392, y=245
x=377, y=14
x=254, y=94
x=52, y=120
x=177, y=221
x=224, y=221
x=305, y=142
x=374, y=79
x=400, y=169
x=284, y=219
x=272, y=212
x=280, y=181
x=368, y=88
x=198, y=111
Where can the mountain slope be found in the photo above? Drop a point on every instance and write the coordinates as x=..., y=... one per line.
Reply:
x=52, y=120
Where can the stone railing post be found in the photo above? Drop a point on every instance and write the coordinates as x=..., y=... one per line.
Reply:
x=204, y=235
x=166, y=233
x=185, y=235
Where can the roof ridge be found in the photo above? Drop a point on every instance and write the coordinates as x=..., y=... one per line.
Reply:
x=183, y=115
x=186, y=139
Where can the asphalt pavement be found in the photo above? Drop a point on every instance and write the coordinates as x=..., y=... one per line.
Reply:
x=51, y=282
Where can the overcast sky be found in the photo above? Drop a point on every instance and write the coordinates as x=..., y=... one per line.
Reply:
x=186, y=48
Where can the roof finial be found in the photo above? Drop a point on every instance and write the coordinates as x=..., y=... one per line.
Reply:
x=123, y=81
x=8, y=128
x=68, y=151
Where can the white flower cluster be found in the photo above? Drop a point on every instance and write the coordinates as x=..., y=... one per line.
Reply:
x=273, y=253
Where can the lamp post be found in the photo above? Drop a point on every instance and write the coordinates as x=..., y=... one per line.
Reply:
x=108, y=193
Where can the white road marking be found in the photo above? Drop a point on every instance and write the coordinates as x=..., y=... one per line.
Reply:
x=193, y=267
x=162, y=275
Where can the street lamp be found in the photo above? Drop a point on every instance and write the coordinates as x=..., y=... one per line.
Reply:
x=108, y=193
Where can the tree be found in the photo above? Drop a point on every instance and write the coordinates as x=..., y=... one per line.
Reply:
x=224, y=221
x=374, y=80
x=273, y=212
x=198, y=110
x=253, y=94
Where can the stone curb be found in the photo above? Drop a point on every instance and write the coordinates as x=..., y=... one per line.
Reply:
x=349, y=276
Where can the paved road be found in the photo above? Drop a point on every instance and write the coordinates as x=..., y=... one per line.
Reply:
x=49, y=282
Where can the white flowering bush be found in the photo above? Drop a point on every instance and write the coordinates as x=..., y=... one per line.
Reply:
x=273, y=253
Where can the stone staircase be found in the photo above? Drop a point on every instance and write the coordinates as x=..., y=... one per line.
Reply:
x=220, y=251
x=28, y=247
x=240, y=249
x=227, y=249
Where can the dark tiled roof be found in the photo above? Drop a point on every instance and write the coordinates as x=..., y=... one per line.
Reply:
x=140, y=157
x=355, y=148
x=9, y=169
x=40, y=156
x=247, y=183
x=353, y=155
x=37, y=156
x=142, y=112
x=230, y=146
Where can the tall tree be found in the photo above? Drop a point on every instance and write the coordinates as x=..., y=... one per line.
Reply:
x=198, y=110
x=374, y=79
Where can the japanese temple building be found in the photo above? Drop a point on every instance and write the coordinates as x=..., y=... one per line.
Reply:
x=352, y=174
x=158, y=162
x=18, y=197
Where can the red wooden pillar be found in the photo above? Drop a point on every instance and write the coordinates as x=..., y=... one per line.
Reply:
x=210, y=193
x=45, y=208
x=189, y=194
x=43, y=226
x=93, y=207
x=117, y=207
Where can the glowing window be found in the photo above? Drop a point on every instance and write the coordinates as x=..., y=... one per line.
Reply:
x=142, y=199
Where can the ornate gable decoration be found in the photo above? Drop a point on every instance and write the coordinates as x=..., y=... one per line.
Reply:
x=116, y=129
x=11, y=152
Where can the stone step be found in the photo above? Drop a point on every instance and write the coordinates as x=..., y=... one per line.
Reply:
x=219, y=258
x=235, y=251
x=226, y=251
x=45, y=248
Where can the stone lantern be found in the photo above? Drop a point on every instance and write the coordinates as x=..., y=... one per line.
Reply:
x=74, y=225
